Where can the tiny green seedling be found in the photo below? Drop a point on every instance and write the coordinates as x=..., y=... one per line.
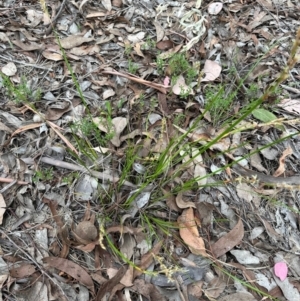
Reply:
x=43, y=175
x=132, y=67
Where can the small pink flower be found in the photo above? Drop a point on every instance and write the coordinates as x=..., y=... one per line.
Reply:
x=281, y=270
x=167, y=81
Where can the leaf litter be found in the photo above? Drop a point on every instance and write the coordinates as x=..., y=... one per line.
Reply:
x=97, y=199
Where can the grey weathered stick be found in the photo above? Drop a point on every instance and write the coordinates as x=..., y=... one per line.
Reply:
x=100, y=175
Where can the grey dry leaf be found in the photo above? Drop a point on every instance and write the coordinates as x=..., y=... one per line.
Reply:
x=200, y=175
x=244, y=192
x=290, y=105
x=136, y=38
x=160, y=33
x=240, y=296
x=214, y=8
x=107, y=4
x=34, y=17
x=9, y=69
x=244, y=257
x=120, y=124
x=2, y=208
x=3, y=37
x=73, y=41
x=108, y=93
x=289, y=291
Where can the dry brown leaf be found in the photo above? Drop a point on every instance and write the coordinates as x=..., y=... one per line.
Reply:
x=52, y=56
x=26, y=128
x=281, y=169
x=195, y=289
x=56, y=111
x=72, y=269
x=147, y=259
x=189, y=232
x=61, y=230
x=170, y=52
x=148, y=290
x=24, y=270
x=107, y=287
x=215, y=287
x=28, y=47
x=73, y=41
x=128, y=277
x=165, y=45
x=137, y=49
x=55, y=128
x=182, y=204
x=2, y=208
x=229, y=240
x=85, y=50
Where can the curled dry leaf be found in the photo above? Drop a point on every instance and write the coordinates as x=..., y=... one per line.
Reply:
x=72, y=269
x=181, y=203
x=229, y=240
x=281, y=169
x=189, y=233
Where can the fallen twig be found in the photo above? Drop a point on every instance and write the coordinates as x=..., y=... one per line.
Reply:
x=159, y=87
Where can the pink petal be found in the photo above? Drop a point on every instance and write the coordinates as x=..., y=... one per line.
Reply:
x=281, y=270
x=167, y=81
